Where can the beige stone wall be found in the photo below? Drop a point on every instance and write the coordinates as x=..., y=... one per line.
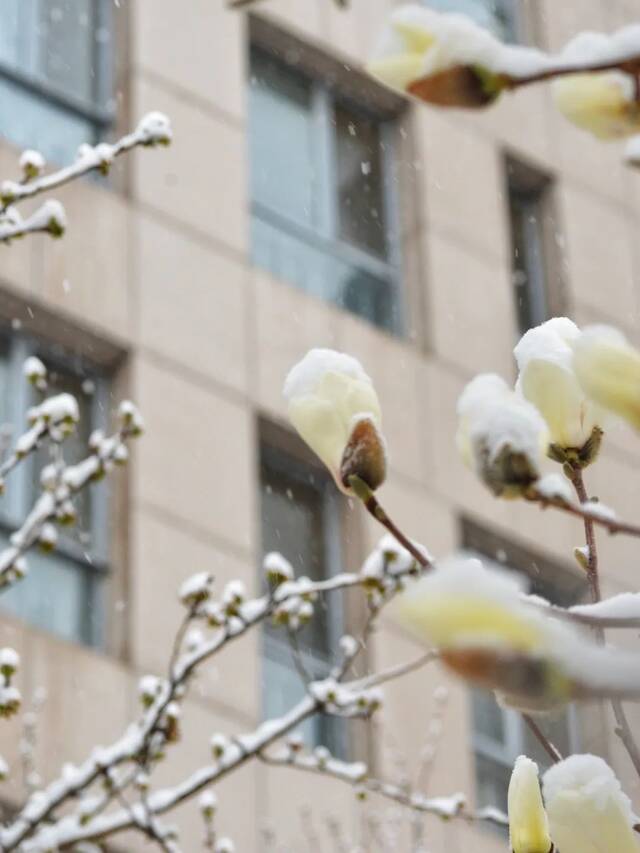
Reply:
x=162, y=273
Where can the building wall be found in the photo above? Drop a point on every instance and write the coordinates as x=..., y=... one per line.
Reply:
x=160, y=272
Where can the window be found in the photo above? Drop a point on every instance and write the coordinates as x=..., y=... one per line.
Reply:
x=321, y=202
x=500, y=735
x=63, y=591
x=501, y=17
x=300, y=519
x=537, y=295
x=55, y=74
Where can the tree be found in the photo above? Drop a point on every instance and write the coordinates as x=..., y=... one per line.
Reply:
x=473, y=620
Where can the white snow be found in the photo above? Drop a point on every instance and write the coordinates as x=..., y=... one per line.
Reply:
x=62, y=407
x=596, y=509
x=49, y=216
x=208, y=802
x=305, y=376
x=277, y=566
x=154, y=128
x=34, y=369
x=31, y=163
x=555, y=487
x=9, y=660
x=626, y=605
x=587, y=776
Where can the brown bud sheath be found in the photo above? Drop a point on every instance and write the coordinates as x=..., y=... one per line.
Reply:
x=460, y=86
x=364, y=456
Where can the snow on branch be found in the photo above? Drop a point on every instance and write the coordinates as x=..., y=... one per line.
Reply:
x=153, y=129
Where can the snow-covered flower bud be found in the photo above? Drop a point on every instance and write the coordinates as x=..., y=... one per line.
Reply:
x=295, y=742
x=361, y=792
x=233, y=597
x=35, y=372
x=49, y=478
x=155, y=129
x=500, y=435
x=149, y=688
x=66, y=513
x=208, y=803
x=333, y=405
x=225, y=845
x=20, y=567
x=196, y=589
x=587, y=808
x=9, y=662
x=305, y=612
x=548, y=380
x=51, y=217
x=277, y=569
x=604, y=104
x=142, y=781
x=121, y=454
x=608, y=369
x=130, y=418
x=96, y=439
x=194, y=640
x=219, y=744
x=10, y=700
x=440, y=58
x=305, y=589
x=528, y=825
x=32, y=164
x=322, y=756
x=349, y=646
x=172, y=716
x=214, y=614
x=48, y=538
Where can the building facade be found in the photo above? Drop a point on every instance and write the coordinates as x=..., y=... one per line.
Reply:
x=300, y=205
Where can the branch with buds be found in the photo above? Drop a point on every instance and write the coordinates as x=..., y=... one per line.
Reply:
x=154, y=129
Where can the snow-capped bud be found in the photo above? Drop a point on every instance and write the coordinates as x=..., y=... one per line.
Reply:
x=501, y=436
x=277, y=569
x=548, y=380
x=196, y=589
x=149, y=688
x=604, y=104
x=208, y=803
x=587, y=808
x=305, y=612
x=194, y=640
x=121, y=454
x=305, y=589
x=440, y=58
x=48, y=538
x=9, y=662
x=322, y=756
x=333, y=405
x=214, y=615
x=233, y=596
x=528, y=825
x=10, y=700
x=219, y=744
x=20, y=567
x=225, y=845
x=130, y=418
x=295, y=742
x=172, y=716
x=96, y=439
x=35, y=372
x=142, y=781
x=51, y=217
x=49, y=478
x=4, y=769
x=608, y=370
x=32, y=164
x=349, y=646
x=66, y=513
x=155, y=129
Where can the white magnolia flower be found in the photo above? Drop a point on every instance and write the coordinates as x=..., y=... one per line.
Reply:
x=603, y=104
x=500, y=435
x=587, y=809
x=608, y=369
x=547, y=379
x=334, y=407
x=528, y=825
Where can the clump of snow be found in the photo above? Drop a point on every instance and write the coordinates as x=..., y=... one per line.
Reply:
x=219, y=744
x=9, y=661
x=62, y=407
x=632, y=151
x=130, y=417
x=35, y=371
x=555, y=487
x=277, y=568
x=208, y=803
x=626, y=605
x=598, y=510
x=349, y=646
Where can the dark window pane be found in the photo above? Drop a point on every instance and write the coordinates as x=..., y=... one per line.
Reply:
x=492, y=783
x=528, y=264
x=360, y=181
x=65, y=56
x=488, y=717
x=281, y=140
x=293, y=523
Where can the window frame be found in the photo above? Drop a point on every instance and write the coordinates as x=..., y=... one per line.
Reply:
x=325, y=236
x=99, y=113
x=93, y=560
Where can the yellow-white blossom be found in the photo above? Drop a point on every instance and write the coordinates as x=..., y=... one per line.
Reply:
x=528, y=824
x=500, y=435
x=547, y=379
x=490, y=634
x=333, y=405
x=587, y=809
x=444, y=59
x=608, y=369
x=603, y=104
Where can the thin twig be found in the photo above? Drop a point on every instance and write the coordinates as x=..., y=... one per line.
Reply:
x=552, y=751
x=586, y=513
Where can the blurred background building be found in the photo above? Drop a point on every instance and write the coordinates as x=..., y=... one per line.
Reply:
x=300, y=205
